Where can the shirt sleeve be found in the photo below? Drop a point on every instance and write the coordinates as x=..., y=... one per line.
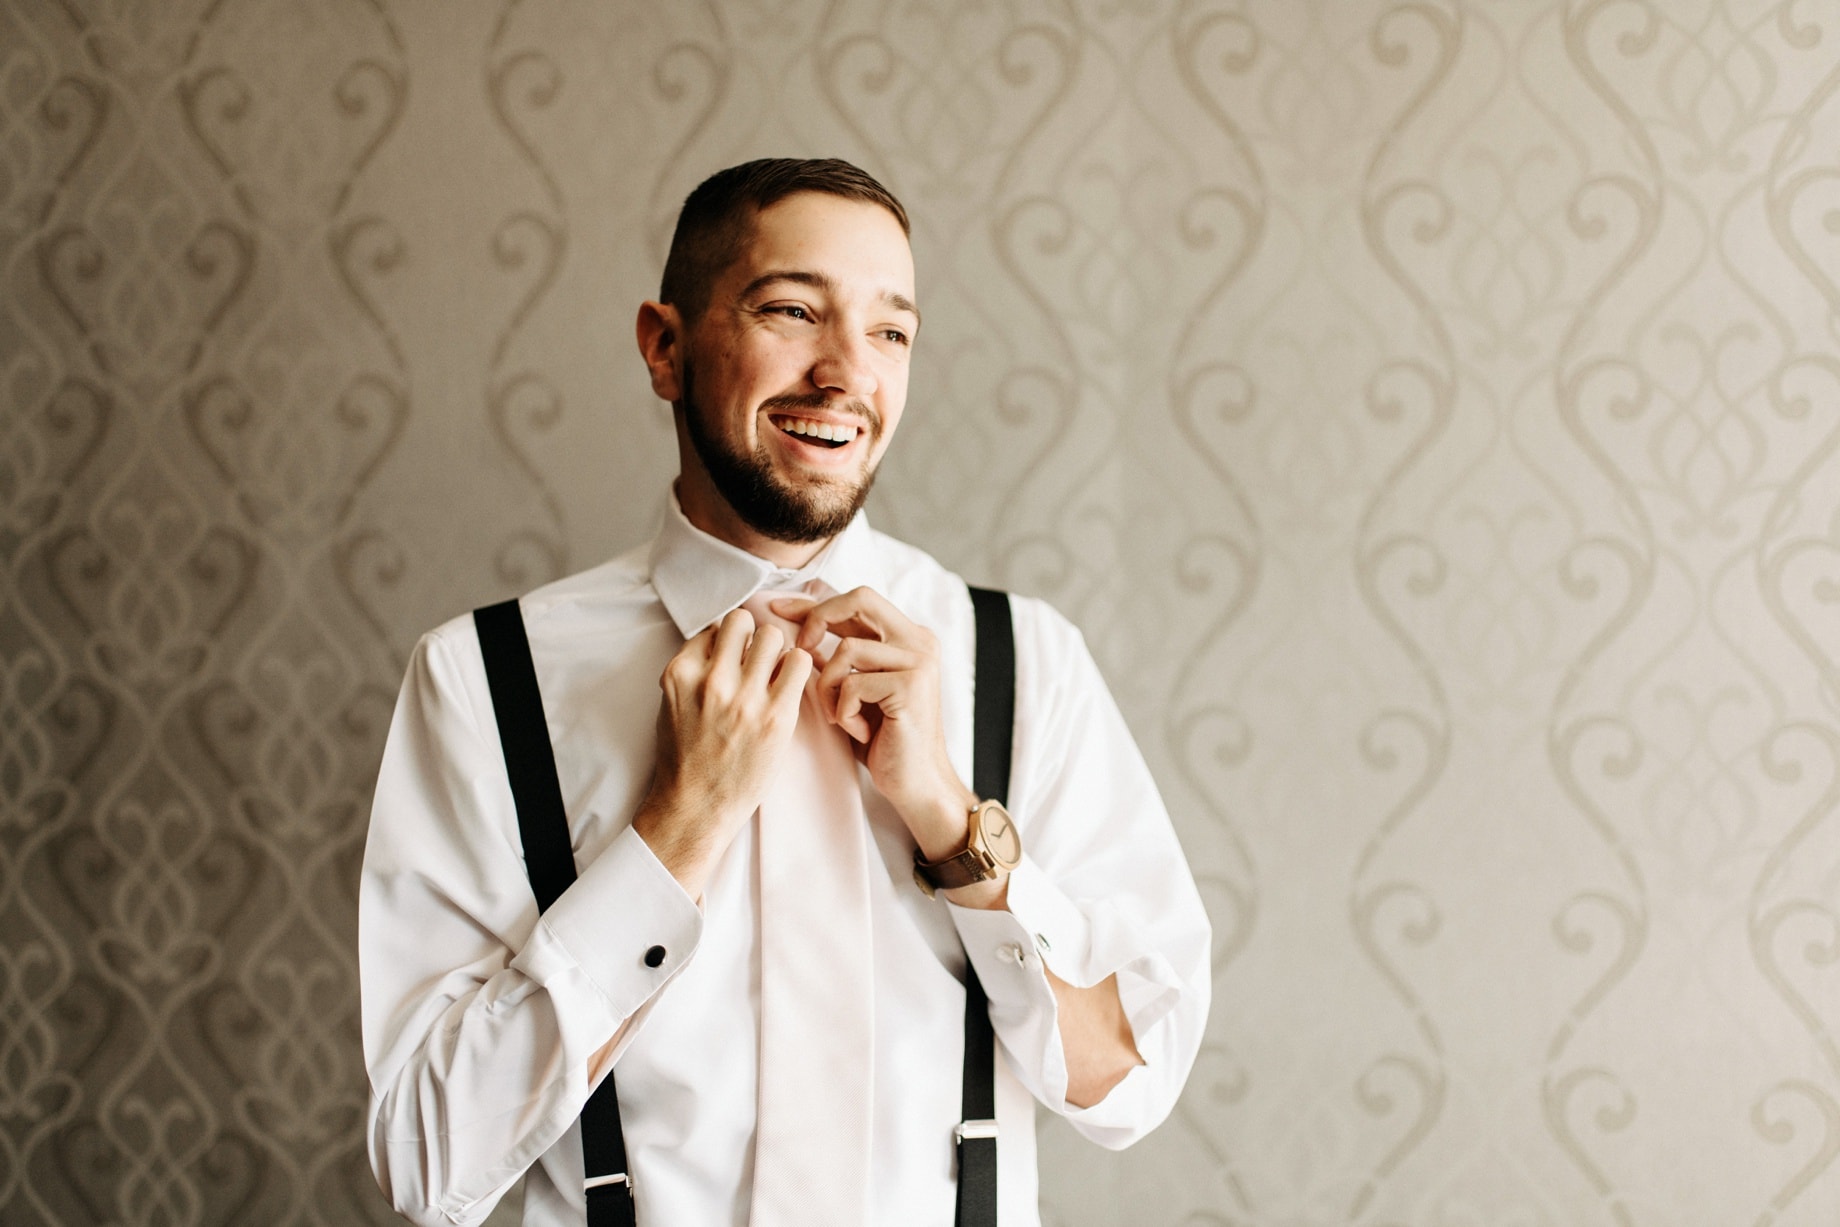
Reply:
x=485, y=1026
x=1103, y=889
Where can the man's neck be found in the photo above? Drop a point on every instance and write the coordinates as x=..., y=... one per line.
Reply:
x=710, y=512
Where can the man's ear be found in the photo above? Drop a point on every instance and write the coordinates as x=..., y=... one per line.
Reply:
x=660, y=334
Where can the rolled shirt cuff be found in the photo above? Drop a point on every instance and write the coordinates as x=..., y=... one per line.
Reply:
x=1042, y=930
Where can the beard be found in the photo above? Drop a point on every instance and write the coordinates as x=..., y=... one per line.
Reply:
x=766, y=502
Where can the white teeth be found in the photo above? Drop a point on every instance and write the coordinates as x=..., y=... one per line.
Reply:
x=817, y=430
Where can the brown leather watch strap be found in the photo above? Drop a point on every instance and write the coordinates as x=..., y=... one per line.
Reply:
x=961, y=870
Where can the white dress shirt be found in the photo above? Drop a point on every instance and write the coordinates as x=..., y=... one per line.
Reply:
x=482, y=1021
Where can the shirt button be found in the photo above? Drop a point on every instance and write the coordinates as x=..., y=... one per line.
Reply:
x=654, y=956
x=1041, y=943
x=1013, y=952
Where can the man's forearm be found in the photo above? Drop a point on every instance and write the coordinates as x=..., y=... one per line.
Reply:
x=1096, y=1038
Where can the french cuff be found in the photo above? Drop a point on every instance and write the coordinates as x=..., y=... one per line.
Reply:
x=1039, y=927
x=1121, y=1117
x=1044, y=930
x=626, y=924
x=1011, y=949
x=1085, y=945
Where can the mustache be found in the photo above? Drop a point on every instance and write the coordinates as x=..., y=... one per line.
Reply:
x=817, y=402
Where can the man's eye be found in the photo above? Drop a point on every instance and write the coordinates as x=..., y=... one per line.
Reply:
x=895, y=335
x=790, y=311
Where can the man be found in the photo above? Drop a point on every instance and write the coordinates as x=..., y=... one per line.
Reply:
x=782, y=340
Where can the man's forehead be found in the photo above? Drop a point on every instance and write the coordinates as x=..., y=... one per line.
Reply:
x=830, y=243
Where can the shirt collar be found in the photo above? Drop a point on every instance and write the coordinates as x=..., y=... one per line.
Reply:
x=699, y=578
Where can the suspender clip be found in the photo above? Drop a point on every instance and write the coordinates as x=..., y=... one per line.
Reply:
x=974, y=1129
x=595, y=1182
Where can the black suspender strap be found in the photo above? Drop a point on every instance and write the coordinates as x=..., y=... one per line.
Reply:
x=530, y=762
x=993, y=725
x=993, y=718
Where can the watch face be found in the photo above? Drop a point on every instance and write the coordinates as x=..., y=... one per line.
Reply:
x=1001, y=839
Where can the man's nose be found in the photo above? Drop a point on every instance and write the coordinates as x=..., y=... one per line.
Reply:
x=845, y=364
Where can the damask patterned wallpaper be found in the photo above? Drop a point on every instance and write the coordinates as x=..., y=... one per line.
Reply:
x=1429, y=410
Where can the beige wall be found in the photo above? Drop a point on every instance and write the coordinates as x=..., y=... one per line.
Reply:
x=1428, y=410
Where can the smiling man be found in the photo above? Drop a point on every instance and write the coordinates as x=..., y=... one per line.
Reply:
x=753, y=988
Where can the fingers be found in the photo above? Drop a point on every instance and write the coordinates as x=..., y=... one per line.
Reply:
x=865, y=690
x=732, y=655
x=880, y=658
x=788, y=683
x=685, y=670
x=859, y=655
x=777, y=670
x=732, y=637
x=861, y=613
x=731, y=703
x=865, y=682
x=763, y=653
x=735, y=655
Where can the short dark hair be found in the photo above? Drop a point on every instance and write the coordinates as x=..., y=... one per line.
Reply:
x=717, y=216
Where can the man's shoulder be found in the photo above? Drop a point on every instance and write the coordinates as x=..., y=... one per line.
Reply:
x=617, y=590
x=623, y=580
x=916, y=576
x=918, y=583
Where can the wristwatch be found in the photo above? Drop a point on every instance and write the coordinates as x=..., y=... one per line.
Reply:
x=993, y=846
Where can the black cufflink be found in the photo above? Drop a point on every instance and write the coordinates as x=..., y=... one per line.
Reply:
x=654, y=956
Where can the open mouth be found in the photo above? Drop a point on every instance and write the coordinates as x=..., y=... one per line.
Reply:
x=820, y=434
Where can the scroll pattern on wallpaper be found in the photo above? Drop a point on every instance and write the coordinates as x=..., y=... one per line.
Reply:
x=1717, y=764
x=529, y=244
x=194, y=407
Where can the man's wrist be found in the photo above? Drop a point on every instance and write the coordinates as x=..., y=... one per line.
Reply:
x=685, y=846
x=941, y=824
x=945, y=834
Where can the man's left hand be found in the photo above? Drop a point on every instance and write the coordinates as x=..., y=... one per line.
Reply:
x=881, y=687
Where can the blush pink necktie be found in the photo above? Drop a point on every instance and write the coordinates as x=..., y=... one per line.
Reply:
x=817, y=1000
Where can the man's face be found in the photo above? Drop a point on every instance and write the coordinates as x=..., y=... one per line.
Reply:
x=793, y=381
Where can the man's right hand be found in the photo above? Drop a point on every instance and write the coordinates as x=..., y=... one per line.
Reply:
x=731, y=702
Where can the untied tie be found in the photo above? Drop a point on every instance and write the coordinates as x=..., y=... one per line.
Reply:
x=817, y=976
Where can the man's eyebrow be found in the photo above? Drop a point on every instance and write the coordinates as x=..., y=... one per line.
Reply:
x=819, y=281
x=902, y=302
